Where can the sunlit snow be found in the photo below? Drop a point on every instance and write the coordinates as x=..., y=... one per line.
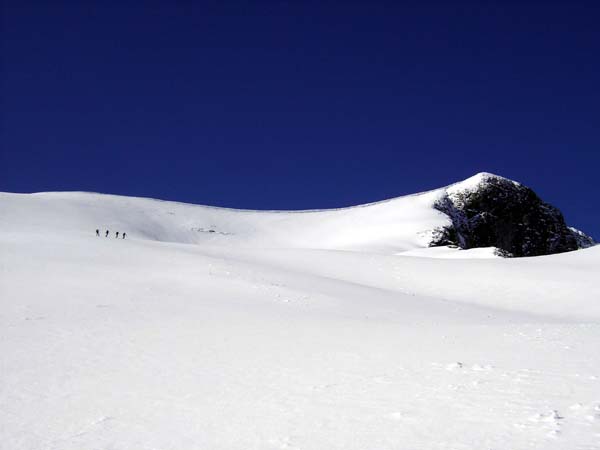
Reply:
x=211, y=328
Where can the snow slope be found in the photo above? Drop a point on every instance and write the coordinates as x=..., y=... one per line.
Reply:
x=399, y=225
x=389, y=226
x=301, y=330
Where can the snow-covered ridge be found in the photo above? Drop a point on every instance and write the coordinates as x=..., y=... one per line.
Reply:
x=392, y=226
x=389, y=226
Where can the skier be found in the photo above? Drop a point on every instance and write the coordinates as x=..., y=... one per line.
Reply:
x=106, y=235
x=117, y=235
x=97, y=232
x=124, y=234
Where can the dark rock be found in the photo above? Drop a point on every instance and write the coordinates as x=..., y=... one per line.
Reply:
x=583, y=240
x=492, y=211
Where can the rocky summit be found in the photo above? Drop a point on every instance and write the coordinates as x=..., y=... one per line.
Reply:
x=491, y=211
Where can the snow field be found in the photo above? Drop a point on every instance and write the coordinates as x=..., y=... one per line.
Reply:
x=181, y=339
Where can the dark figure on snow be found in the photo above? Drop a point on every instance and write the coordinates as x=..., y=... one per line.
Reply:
x=106, y=235
x=124, y=234
x=117, y=235
x=97, y=232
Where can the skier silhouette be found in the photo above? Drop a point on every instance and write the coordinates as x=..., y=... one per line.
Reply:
x=124, y=234
x=106, y=235
x=97, y=232
x=117, y=235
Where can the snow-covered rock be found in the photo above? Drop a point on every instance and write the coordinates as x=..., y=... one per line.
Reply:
x=487, y=210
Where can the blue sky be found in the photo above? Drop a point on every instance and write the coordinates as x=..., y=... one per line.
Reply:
x=294, y=105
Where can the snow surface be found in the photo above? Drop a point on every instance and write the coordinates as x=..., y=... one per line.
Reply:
x=452, y=251
x=285, y=330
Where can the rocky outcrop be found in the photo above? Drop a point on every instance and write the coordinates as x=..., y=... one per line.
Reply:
x=583, y=240
x=491, y=211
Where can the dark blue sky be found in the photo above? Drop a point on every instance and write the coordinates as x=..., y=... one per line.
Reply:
x=301, y=104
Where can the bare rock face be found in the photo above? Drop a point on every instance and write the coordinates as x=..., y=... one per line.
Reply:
x=491, y=211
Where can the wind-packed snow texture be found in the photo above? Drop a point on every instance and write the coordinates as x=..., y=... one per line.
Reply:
x=217, y=329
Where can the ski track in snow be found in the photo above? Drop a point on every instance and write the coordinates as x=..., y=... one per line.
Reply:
x=174, y=339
